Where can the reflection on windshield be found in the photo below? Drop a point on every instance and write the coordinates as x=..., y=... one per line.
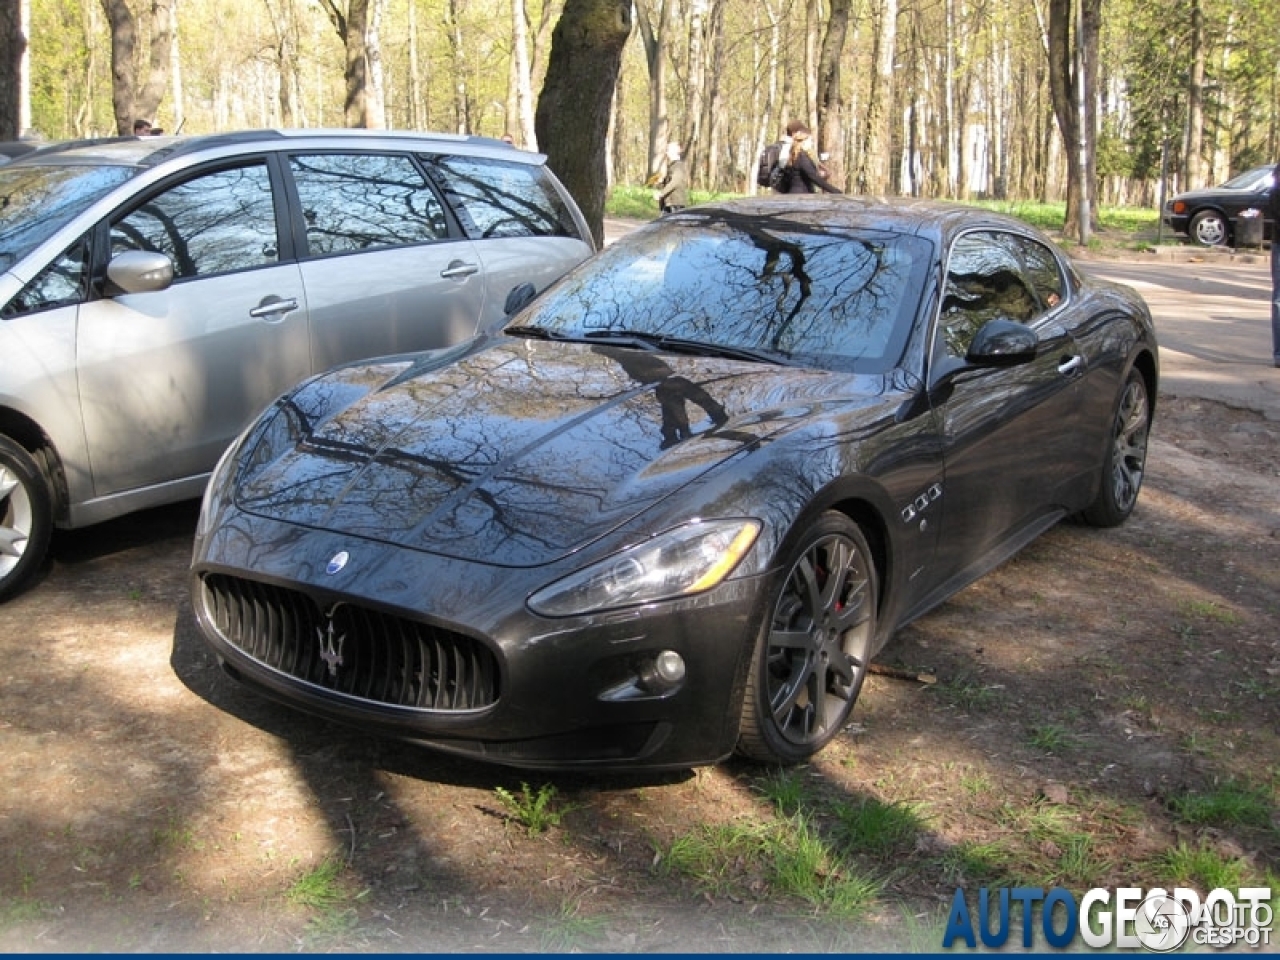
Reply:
x=35, y=201
x=816, y=296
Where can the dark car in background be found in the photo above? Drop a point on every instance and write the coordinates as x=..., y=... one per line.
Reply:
x=1210, y=216
x=677, y=506
x=157, y=293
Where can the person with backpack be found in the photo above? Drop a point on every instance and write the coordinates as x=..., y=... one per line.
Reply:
x=804, y=175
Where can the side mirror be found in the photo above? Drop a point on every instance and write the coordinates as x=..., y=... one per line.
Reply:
x=1002, y=343
x=518, y=298
x=140, y=271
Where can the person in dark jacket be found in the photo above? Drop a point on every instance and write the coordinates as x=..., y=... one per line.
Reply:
x=1273, y=214
x=805, y=175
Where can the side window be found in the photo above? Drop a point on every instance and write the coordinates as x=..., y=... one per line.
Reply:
x=365, y=201
x=496, y=198
x=1043, y=271
x=61, y=283
x=216, y=222
x=984, y=281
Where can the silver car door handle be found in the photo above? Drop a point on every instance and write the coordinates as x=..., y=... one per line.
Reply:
x=1071, y=366
x=459, y=269
x=273, y=308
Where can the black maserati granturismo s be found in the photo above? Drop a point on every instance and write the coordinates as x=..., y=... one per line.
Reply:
x=673, y=510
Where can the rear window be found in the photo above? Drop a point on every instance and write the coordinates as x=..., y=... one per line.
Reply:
x=35, y=201
x=495, y=198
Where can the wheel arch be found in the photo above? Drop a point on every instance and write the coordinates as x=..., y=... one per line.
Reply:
x=25, y=432
x=1145, y=364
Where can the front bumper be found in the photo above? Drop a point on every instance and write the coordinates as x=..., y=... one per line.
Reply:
x=444, y=652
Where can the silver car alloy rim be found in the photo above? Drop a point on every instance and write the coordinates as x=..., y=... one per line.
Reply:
x=818, y=640
x=15, y=520
x=1131, y=445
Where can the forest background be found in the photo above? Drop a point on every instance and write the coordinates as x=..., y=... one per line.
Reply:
x=944, y=98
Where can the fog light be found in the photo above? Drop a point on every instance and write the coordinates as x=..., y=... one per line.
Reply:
x=669, y=666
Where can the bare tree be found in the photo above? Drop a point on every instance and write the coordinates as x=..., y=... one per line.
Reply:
x=572, y=119
x=140, y=47
x=830, y=92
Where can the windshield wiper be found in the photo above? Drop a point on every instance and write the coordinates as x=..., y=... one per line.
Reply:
x=664, y=341
x=533, y=332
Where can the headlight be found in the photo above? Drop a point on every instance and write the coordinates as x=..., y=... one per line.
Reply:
x=678, y=563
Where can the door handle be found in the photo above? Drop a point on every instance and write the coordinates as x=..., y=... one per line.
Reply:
x=1070, y=366
x=458, y=268
x=273, y=308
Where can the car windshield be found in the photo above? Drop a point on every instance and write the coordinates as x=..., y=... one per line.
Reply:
x=766, y=287
x=1250, y=179
x=36, y=200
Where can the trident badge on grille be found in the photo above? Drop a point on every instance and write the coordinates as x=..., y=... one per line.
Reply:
x=330, y=646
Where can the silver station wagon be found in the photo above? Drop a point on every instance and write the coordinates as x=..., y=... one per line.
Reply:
x=156, y=293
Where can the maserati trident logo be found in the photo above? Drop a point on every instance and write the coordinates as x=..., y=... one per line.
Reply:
x=337, y=562
x=330, y=646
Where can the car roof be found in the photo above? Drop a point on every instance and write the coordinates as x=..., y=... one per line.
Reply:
x=149, y=151
x=934, y=219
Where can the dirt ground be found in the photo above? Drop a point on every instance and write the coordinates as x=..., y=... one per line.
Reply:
x=150, y=804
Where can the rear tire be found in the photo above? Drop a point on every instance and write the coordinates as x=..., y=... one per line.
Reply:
x=26, y=517
x=1126, y=461
x=812, y=651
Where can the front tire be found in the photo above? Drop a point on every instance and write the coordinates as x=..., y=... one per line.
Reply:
x=26, y=517
x=1126, y=460
x=1209, y=228
x=812, y=651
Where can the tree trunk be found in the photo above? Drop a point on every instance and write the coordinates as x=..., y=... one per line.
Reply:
x=1195, y=101
x=573, y=111
x=1063, y=79
x=873, y=166
x=521, y=125
x=830, y=96
x=458, y=55
x=13, y=45
x=131, y=98
x=695, y=91
x=654, y=18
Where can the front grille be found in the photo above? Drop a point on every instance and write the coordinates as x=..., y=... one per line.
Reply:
x=351, y=649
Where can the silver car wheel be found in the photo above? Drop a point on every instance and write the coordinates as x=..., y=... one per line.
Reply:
x=25, y=516
x=1209, y=228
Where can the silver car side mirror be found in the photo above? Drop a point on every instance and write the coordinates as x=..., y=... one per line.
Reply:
x=140, y=271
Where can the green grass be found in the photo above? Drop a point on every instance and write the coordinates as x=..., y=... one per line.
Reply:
x=320, y=888
x=1228, y=804
x=636, y=202
x=877, y=828
x=784, y=789
x=1201, y=867
x=534, y=810
x=778, y=858
x=567, y=930
x=1050, y=738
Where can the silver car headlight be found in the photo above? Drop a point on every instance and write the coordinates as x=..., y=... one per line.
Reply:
x=679, y=563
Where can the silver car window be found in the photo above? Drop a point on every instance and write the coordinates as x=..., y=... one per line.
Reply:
x=214, y=223
x=495, y=198
x=61, y=283
x=364, y=201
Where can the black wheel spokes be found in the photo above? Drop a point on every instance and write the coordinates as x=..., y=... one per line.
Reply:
x=811, y=676
x=1131, y=445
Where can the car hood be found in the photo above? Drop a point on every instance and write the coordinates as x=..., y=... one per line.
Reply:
x=524, y=452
